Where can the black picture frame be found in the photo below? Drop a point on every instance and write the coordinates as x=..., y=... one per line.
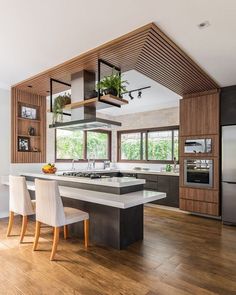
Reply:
x=23, y=144
x=28, y=112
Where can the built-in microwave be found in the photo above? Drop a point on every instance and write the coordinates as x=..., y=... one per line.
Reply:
x=195, y=146
x=198, y=173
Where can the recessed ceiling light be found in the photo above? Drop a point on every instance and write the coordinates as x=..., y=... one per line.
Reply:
x=204, y=25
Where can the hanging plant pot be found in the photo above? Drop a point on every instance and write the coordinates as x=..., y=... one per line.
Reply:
x=59, y=103
x=111, y=91
x=113, y=85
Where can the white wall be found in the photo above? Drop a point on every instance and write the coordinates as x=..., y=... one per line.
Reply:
x=5, y=135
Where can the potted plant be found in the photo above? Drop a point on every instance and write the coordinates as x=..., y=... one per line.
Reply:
x=59, y=103
x=112, y=84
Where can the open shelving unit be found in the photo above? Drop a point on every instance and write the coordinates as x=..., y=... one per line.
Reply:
x=28, y=112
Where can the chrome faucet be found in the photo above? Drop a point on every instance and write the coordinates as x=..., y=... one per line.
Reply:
x=89, y=165
x=94, y=163
x=73, y=164
x=175, y=165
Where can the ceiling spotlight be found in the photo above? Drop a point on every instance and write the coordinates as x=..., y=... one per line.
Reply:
x=139, y=94
x=204, y=25
x=131, y=96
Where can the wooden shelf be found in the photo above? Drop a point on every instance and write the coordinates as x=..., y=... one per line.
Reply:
x=114, y=99
x=105, y=98
x=29, y=152
x=80, y=104
x=26, y=119
x=31, y=136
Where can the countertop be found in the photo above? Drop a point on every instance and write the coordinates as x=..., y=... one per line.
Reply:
x=109, y=181
x=119, y=201
x=131, y=171
x=149, y=172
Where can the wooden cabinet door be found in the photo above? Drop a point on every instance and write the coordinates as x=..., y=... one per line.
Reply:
x=170, y=186
x=199, y=115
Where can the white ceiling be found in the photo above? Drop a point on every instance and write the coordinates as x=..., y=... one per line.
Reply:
x=36, y=35
x=154, y=98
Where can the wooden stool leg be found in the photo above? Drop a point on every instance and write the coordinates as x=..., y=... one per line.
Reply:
x=37, y=234
x=55, y=242
x=10, y=223
x=65, y=232
x=23, y=228
x=86, y=233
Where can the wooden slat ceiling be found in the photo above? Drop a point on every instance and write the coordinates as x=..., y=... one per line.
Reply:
x=147, y=50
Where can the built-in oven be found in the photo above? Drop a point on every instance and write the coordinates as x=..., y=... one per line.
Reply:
x=198, y=173
x=196, y=146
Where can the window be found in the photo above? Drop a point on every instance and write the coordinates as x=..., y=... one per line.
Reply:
x=97, y=145
x=131, y=146
x=149, y=145
x=82, y=145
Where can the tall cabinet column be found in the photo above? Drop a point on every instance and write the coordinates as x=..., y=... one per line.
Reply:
x=199, y=118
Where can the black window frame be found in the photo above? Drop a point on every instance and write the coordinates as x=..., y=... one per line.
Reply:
x=146, y=131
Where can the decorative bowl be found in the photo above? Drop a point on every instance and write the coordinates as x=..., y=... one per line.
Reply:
x=49, y=170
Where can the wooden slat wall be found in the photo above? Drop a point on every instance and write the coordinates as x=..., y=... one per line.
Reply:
x=19, y=96
x=199, y=118
x=147, y=50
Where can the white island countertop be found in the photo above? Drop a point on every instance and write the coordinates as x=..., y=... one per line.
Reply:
x=107, y=181
x=113, y=200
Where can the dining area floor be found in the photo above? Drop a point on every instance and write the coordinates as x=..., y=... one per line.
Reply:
x=180, y=254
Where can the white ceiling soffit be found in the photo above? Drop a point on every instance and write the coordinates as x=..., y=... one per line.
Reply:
x=155, y=98
x=36, y=35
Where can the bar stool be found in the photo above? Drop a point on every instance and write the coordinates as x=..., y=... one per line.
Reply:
x=50, y=211
x=19, y=203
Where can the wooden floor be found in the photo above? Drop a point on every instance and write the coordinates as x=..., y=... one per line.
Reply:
x=181, y=254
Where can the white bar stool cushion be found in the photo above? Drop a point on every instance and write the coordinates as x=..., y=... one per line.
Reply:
x=73, y=215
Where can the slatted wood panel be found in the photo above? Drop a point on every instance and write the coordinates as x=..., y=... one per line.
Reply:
x=19, y=124
x=147, y=49
x=199, y=118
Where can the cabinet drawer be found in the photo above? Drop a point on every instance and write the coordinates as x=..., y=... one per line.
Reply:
x=202, y=195
x=199, y=207
x=148, y=177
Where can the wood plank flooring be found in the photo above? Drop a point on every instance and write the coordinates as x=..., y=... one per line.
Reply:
x=180, y=254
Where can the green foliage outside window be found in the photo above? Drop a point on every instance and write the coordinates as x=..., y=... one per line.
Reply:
x=70, y=145
x=97, y=145
x=159, y=143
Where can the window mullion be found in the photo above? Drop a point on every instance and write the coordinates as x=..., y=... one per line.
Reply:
x=172, y=149
x=85, y=145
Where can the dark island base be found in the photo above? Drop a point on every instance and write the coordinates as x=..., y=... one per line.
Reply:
x=109, y=226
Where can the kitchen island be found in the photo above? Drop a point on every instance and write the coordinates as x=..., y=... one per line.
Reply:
x=116, y=219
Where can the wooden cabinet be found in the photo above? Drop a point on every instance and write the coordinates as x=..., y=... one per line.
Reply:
x=228, y=106
x=199, y=115
x=199, y=207
x=199, y=118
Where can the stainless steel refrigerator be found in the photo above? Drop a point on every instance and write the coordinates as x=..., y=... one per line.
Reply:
x=229, y=174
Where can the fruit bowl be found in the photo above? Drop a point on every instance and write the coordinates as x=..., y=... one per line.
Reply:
x=49, y=169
